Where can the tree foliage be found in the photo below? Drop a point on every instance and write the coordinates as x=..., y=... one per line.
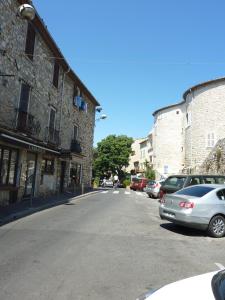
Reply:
x=112, y=154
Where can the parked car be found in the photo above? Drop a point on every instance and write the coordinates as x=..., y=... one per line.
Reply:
x=138, y=184
x=201, y=206
x=209, y=286
x=153, y=188
x=175, y=183
x=108, y=183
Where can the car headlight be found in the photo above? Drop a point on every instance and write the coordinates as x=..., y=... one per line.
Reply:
x=146, y=295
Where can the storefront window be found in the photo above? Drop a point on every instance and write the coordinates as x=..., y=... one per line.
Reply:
x=8, y=160
x=12, y=169
x=75, y=173
x=47, y=166
x=5, y=166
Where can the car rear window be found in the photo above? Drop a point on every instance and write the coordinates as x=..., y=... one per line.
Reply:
x=175, y=182
x=151, y=182
x=196, y=191
x=135, y=180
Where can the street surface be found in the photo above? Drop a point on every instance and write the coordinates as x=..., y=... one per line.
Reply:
x=111, y=245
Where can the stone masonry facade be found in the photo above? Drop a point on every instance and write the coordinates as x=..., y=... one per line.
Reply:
x=47, y=115
x=184, y=134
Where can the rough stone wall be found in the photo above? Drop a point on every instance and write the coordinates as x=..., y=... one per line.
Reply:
x=39, y=75
x=215, y=162
x=207, y=106
x=71, y=116
x=168, y=141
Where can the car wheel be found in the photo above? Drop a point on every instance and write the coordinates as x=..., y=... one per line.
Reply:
x=217, y=226
x=150, y=196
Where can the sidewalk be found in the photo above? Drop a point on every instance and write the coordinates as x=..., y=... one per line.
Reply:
x=27, y=207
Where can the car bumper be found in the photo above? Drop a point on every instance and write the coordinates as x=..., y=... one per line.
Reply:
x=184, y=219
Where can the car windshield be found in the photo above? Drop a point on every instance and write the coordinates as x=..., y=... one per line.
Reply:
x=175, y=181
x=196, y=191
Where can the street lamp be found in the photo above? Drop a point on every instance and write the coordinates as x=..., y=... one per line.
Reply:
x=102, y=117
x=26, y=11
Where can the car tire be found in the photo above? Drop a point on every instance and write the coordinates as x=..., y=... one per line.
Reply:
x=217, y=226
x=149, y=195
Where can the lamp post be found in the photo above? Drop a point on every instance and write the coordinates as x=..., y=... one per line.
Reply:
x=102, y=117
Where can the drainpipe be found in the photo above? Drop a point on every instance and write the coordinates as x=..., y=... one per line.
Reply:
x=62, y=92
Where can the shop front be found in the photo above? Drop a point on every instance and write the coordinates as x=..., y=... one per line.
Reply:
x=8, y=174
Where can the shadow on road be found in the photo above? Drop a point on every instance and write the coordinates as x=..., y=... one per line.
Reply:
x=183, y=230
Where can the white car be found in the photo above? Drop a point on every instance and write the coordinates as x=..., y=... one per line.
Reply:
x=209, y=286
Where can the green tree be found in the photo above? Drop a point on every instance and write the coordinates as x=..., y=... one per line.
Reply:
x=112, y=155
x=149, y=172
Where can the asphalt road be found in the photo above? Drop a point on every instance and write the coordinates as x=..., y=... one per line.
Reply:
x=104, y=246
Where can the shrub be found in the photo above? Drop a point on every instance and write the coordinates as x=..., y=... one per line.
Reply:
x=126, y=182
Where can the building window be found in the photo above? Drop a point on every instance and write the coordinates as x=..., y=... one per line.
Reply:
x=210, y=142
x=47, y=166
x=56, y=74
x=30, y=41
x=24, y=97
x=8, y=164
x=52, y=118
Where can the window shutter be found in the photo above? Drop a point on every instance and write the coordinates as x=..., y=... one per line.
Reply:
x=24, y=97
x=56, y=74
x=30, y=41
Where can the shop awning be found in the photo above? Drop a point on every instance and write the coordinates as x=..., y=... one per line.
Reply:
x=28, y=145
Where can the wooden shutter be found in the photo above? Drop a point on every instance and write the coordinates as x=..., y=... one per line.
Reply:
x=24, y=97
x=30, y=41
x=56, y=75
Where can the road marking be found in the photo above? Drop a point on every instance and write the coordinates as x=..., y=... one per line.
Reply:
x=105, y=192
x=116, y=192
x=139, y=194
x=220, y=266
x=127, y=193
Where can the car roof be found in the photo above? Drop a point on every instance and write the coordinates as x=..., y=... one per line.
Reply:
x=214, y=185
x=195, y=175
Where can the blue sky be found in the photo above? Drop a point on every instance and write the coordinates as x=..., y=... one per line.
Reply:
x=137, y=56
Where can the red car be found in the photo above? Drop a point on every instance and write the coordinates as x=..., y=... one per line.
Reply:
x=138, y=184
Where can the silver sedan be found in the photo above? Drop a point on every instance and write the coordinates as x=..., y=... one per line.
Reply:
x=199, y=206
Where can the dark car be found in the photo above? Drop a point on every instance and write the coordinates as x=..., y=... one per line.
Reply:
x=175, y=183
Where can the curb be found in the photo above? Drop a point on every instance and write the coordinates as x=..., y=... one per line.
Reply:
x=30, y=211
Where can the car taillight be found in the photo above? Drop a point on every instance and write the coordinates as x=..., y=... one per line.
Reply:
x=161, y=193
x=184, y=204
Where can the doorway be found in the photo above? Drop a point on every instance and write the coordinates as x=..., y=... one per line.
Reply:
x=62, y=176
x=30, y=174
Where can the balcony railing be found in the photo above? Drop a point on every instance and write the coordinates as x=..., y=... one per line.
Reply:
x=52, y=136
x=27, y=123
x=75, y=146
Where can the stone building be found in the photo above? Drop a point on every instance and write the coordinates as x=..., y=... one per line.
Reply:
x=185, y=133
x=141, y=154
x=47, y=114
x=168, y=140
